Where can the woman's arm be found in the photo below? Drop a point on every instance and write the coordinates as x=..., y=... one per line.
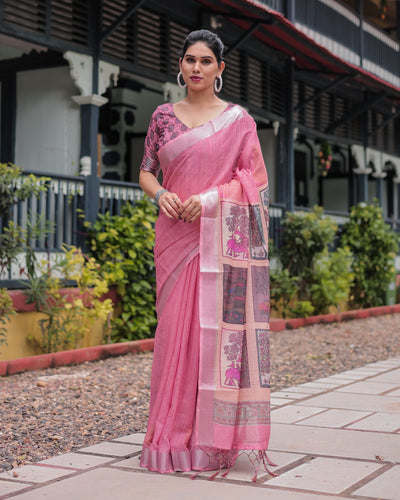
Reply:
x=169, y=203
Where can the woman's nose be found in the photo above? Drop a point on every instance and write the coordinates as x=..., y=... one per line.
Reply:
x=197, y=66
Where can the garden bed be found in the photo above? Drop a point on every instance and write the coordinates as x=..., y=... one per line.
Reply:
x=77, y=356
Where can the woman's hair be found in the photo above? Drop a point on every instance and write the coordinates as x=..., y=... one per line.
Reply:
x=212, y=41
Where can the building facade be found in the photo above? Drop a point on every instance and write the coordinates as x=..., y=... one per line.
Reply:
x=79, y=80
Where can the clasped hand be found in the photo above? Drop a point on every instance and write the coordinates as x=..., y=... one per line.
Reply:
x=174, y=208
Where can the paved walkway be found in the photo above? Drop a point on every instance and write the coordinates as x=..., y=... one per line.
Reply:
x=337, y=437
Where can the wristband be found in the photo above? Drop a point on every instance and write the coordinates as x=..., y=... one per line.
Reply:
x=159, y=193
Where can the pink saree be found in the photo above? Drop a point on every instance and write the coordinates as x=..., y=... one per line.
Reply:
x=210, y=394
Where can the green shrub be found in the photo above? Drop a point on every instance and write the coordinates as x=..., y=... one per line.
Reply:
x=332, y=280
x=123, y=245
x=312, y=278
x=374, y=246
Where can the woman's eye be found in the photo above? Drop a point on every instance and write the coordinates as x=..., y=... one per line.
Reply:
x=206, y=61
x=190, y=59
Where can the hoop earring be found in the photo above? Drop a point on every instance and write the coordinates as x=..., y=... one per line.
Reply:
x=218, y=84
x=178, y=79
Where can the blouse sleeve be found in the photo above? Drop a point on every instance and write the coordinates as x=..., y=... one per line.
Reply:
x=150, y=161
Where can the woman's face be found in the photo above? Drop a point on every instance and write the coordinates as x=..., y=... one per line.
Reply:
x=199, y=67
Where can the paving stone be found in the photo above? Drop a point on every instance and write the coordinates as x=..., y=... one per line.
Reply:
x=76, y=461
x=7, y=487
x=391, y=377
x=288, y=395
x=34, y=473
x=384, y=422
x=136, y=438
x=325, y=475
x=348, y=401
x=305, y=390
x=129, y=463
x=111, y=483
x=243, y=470
x=385, y=486
x=324, y=386
x=291, y=414
x=394, y=393
x=334, y=418
x=334, y=380
x=346, y=443
x=367, y=387
x=280, y=401
x=112, y=449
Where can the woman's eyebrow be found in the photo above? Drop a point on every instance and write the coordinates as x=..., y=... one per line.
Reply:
x=202, y=57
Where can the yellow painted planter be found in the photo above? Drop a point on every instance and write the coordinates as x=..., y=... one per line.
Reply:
x=25, y=324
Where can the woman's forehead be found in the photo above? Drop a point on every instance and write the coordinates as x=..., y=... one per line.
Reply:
x=199, y=49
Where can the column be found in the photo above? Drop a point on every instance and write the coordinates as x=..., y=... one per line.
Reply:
x=289, y=135
x=362, y=172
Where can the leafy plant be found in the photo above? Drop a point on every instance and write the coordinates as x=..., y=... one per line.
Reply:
x=312, y=279
x=283, y=290
x=123, y=245
x=66, y=316
x=332, y=280
x=15, y=188
x=374, y=246
x=7, y=310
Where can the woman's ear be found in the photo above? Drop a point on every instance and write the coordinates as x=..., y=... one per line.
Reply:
x=180, y=63
x=222, y=67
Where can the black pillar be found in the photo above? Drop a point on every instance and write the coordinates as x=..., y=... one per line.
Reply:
x=398, y=201
x=89, y=131
x=8, y=117
x=289, y=166
x=379, y=190
x=90, y=121
x=362, y=188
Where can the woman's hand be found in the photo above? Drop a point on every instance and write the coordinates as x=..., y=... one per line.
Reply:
x=170, y=205
x=191, y=209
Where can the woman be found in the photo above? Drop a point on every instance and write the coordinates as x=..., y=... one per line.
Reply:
x=210, y=380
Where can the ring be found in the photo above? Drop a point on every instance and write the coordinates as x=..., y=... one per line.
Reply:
x=175, y=199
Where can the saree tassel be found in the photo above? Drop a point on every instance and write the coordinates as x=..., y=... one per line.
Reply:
x=266, y=461
x=194, y=476
x=226, y=472
x=211, y=478
x=254, y=478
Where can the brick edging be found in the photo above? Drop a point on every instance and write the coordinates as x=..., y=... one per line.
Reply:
x=278, y=325
x=76, y=356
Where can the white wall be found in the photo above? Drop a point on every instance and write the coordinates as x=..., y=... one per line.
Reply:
x=268, y=146
x=48, y=122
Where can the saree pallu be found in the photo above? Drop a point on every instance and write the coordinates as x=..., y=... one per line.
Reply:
x=210, y=392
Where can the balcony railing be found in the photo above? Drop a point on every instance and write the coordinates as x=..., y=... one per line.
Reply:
x=62, y=206
x=338, y=28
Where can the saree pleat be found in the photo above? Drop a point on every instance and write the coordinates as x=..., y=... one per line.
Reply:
x=174, y=378
x=210, y=380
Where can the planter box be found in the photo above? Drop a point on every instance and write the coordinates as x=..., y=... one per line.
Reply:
x=26, y=323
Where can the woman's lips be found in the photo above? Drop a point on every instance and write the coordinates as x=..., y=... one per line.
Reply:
x=195, y=78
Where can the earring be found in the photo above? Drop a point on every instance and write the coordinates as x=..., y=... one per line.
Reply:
x=178, y=79
x=218, y=84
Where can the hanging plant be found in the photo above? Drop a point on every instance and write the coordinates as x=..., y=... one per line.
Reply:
x=324, y=158
x=384, y=9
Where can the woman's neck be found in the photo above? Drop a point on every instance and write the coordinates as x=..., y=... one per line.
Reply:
x=201, y=99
